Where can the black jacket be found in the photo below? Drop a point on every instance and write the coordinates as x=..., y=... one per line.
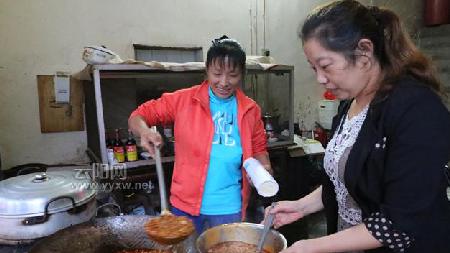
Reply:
x=404, y=179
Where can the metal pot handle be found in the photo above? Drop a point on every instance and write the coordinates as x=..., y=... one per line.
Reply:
x=32, y=168
x=41, y=219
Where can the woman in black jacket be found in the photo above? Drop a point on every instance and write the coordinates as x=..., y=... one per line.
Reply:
x=386, y=184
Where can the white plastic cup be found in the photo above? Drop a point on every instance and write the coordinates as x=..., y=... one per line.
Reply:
x=264, y=183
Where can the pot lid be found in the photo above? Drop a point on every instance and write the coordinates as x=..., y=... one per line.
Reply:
x=29, y=194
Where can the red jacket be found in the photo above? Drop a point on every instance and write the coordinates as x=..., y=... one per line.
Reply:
x=189, y=110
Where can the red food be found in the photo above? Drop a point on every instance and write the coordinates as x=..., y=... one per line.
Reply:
x=234, y=247
x=144, y=251
x=169, y=228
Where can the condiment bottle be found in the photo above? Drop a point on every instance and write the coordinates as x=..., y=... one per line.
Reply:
x=131, y=147
x=119, y=151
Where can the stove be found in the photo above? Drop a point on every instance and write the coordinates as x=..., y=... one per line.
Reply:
x=114, y=202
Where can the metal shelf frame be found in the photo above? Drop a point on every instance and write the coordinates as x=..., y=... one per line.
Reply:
x=131, y=71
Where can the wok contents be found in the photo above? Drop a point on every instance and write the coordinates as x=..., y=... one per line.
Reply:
x=169, y=228
x=234, y=247
x=144, y=251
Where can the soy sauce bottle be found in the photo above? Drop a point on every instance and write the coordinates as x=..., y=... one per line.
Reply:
x=131, y=148
x=119, y=151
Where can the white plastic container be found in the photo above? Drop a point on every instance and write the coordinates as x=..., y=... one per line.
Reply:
x=110, y=154
x=99, y=55
x=264, y=183
x=327, y=110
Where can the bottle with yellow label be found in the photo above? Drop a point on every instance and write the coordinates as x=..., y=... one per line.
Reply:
x=119, y=151
x=131, y=148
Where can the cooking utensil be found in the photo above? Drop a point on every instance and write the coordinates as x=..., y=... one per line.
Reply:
x=39, y=204
x=107, y=235
x=161, y=181
x=168, y=228
x=267, y=224
x=242, y=232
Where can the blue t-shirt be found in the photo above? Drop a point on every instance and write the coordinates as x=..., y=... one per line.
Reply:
x=222, y=193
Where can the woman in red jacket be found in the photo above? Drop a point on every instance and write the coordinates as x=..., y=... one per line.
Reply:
x=216, y=127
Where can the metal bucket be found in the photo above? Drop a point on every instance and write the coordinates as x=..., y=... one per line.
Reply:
x=243, y=232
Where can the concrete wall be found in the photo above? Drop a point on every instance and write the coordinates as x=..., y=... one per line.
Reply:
x=411, y=12
x=42, y=37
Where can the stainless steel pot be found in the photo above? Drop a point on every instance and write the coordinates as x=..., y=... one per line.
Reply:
x=39, y=204
x=243, y=232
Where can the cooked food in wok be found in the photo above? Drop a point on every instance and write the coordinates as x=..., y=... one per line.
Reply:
x=234, y=247
x=144, y=251
x=169, y=228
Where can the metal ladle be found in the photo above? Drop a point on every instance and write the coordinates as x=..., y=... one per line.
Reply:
x=183, y=223
x=161, y=181
x=267, y=224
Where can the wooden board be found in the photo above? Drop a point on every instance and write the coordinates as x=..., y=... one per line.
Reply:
x=60, y=117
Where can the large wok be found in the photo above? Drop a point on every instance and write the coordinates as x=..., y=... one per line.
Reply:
x=107, y=235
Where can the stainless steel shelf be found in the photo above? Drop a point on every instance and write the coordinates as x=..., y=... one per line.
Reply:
x=149, y=162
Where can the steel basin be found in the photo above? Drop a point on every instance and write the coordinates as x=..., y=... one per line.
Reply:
x=244, y=232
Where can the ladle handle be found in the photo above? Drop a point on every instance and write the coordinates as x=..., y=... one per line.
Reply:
x=161, y=182
x=267, y=224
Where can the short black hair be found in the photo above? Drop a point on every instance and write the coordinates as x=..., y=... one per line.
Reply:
x=225, y=47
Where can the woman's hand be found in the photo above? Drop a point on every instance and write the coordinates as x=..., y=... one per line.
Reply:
x=302, y=246
x=289, y=211
x=286, y=212
x=149, y=139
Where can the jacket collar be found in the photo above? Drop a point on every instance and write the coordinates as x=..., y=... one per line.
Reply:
x=202, y=96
